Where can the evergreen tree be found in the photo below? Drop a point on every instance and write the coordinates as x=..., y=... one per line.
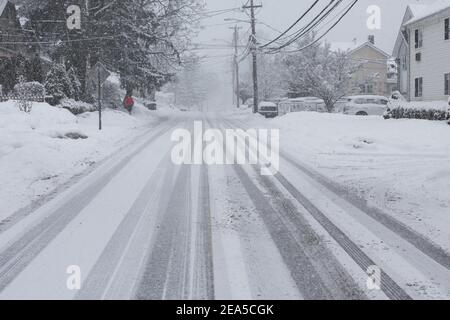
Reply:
x=57, y=82
x=142, y=40
x=76, y=84
x=34, y=70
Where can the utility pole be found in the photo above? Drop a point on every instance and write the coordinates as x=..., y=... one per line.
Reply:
x=236, y=85
x=88, y=54
x=254, y=49
x=99, y=98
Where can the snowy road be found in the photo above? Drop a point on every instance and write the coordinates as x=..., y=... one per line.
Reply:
x=141, y=227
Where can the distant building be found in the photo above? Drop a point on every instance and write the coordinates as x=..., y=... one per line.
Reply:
x=10, y=30
x=427, y=36
x=377, y=74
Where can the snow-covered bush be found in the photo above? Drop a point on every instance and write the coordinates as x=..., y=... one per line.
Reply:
x=57, y=83
x=32, y=90
x=23, y=99
x=77, y=107
x=435, y=110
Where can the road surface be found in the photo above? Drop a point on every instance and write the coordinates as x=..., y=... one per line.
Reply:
x=142, y=227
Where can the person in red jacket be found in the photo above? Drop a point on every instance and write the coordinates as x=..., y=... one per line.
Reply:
x=128, y=102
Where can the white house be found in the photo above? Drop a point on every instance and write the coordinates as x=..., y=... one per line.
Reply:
x=401, y=49
x=427, y=47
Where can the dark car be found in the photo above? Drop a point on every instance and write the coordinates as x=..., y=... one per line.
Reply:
x=268, y=109
x=151, y=106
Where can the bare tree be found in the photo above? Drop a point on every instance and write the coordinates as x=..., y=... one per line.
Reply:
x=320, y=72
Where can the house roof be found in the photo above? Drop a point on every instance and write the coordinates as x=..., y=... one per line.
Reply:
x=417, y=9
x=369, y=44
x=344, y=46
x=430, y=10
x=3, y=4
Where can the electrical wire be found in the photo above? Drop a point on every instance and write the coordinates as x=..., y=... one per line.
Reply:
x=311, y=25
x=328, y=31
x=293, y=25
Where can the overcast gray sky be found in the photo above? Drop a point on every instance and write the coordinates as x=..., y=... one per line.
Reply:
x=281, y=13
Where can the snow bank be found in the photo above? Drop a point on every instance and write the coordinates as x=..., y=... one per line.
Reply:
x=334, y=133
x=43, y=149
x=402, y=166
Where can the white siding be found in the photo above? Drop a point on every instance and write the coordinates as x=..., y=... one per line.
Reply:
x=435, y=57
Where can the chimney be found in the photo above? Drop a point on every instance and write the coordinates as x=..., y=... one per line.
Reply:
x=372, y=39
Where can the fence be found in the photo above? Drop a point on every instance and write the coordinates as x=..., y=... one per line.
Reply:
x=28, y=98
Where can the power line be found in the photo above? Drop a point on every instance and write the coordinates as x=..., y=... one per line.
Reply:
x=311, y=25
x=60, y=41
x=293, y=25
x=309, y=28
x=328, y=31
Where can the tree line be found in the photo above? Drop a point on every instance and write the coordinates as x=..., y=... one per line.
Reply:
x=143, y=41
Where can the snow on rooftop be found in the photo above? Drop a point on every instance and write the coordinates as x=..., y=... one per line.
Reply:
x=345, y=46
x=416, y=9
x=429, y=10
x=3, y=4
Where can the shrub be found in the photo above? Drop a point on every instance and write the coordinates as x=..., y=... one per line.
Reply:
x=30, y=89
x=77, y=107
x=435, y=111
x=23, y=99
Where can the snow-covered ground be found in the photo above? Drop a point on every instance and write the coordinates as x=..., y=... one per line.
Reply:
x=400, y=166
x=38, y=152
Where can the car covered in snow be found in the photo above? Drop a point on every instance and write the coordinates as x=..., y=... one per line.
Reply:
x=366, y=105
x=302, y=104
x=268, y=109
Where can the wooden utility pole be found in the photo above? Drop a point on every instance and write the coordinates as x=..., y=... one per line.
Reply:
x=99, y=93
x=88, y=54
x=236, y=84
x=254, y=49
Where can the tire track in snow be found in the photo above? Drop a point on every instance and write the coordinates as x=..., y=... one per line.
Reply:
x=15, y=258
x=388, y=285
x=165, y=275
x=419, y=241
x=316, y=273
x=21, y=214
x=98, y=282
x=180, y=263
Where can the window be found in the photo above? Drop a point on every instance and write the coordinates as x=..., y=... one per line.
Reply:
x=418, y=87
x=447, y=84
x=419, y=56
x=404, y=64
x=447, y=29
x=418, y=38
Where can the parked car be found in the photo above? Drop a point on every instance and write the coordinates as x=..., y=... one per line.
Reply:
x=364, y=105
x=152, y=106
x=302, y=104
x=268, y=109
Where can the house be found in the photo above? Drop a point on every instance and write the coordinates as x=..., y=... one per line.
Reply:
x=10, y=30
x=377, y=74
x=401, y=49
x=427, y=47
